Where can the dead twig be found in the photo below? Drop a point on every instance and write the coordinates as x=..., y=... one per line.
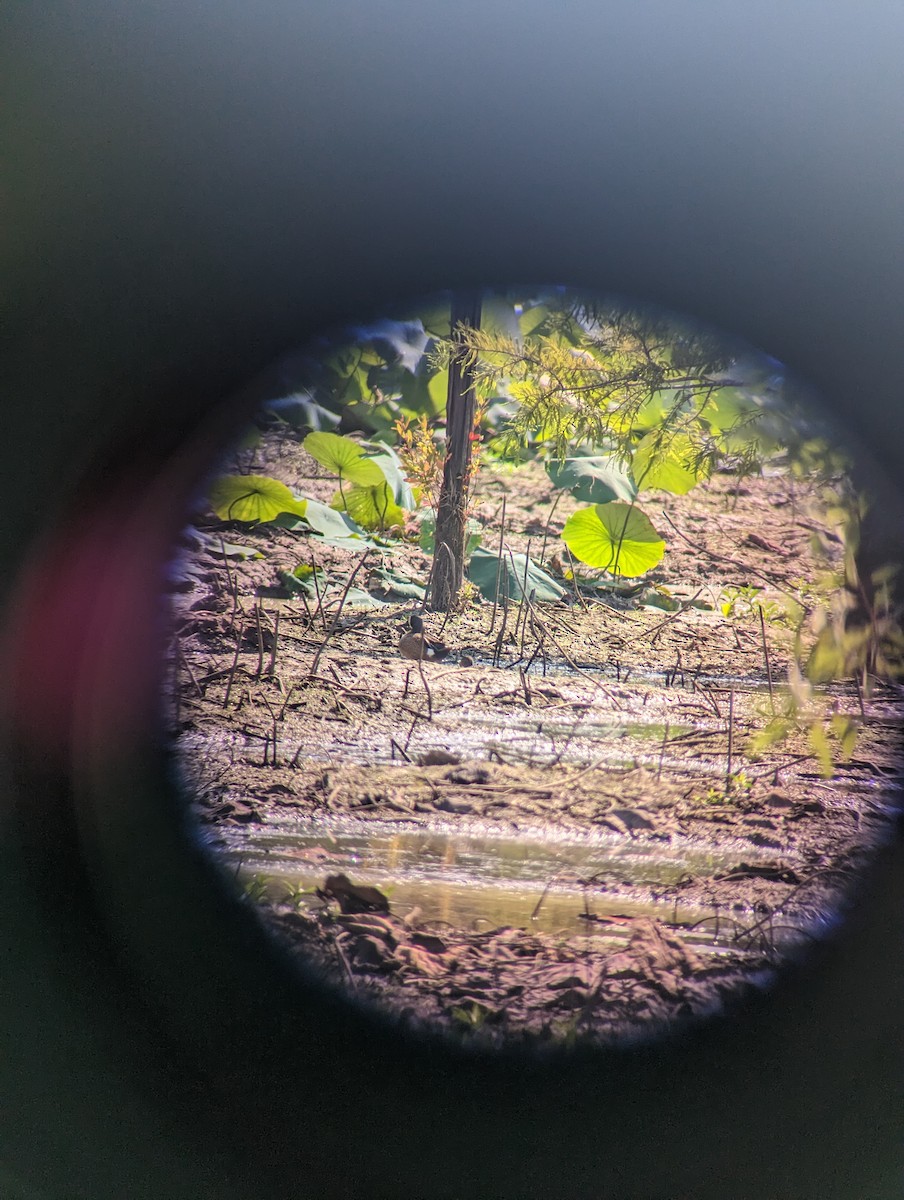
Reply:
x=574, y=581
x=273, y=722
x=285, y=703
x=420, y=669
x=594, y=766
x=555, y=505
x=497, y=649
x=232, y=587
x=319, y=610
x=665, y=742
x=730, y=738
x=555, y=879
x=335, y=622
x=417, y=717
x=707, y=694
x=657, y=628
x=271, y=666
x=769, y=576
x=181, y=660
x=522, y=615
x=394, y=745
x=235, y=663
x=574, y=666
x=498, y=569
x=352, y=983
x=860, y=696
x=260, y=641
x=766, y=656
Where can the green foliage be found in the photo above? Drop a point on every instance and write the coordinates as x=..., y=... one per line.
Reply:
x=256, y=888
x=473, y=533
x=373, y=376
x=830, y=735
x=468, y=594
x=738, y=784
x=653, y=392
x=554, y=372
x=858, y=633
x=217, y=546
x=303, y=579
x=373, y=502
x=370, y=507
x=472, y=1017
x=486, y=567
x=335, y=528
x=615, y=537
x=421, y=451
x=715, y=795
x=344, y=458
x=252, y=498
x=660, y=599
x=672, y=464
x=739, y=601
x=858, y=629
x=597, y=479
x=748, y=600
x=296, y=894
x=302, y=413
x=358, y=598
x=391, y=466
x=777, y=728
x=606, y=378
x=401, y=585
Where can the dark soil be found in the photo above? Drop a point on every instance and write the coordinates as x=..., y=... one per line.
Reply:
x=289, y=708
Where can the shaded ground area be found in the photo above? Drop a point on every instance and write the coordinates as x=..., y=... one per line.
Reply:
x=509, y=983
x=601, y=718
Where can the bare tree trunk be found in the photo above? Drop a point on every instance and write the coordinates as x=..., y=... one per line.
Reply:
x=451, y=515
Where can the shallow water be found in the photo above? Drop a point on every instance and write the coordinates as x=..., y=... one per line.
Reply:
x=620, y=742
x=481, y=881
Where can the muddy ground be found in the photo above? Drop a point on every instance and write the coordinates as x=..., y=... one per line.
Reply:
x=598, y=716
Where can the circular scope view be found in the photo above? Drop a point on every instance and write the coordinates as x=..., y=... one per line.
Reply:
x=534, y=667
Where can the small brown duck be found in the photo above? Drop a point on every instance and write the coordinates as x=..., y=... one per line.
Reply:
x=353, y=897
x=415, y=644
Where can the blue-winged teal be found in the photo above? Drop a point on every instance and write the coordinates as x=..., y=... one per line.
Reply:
x=415, y=644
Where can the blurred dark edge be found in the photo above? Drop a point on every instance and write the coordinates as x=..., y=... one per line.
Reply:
x=195, y=190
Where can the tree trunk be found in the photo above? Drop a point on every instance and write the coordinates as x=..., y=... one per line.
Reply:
x=451, y=514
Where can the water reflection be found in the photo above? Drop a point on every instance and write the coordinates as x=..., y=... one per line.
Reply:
x=481, y=881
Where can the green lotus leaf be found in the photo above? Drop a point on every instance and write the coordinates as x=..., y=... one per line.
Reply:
x=252, y=498
x=216, y=545
x=661, y=600
x=531, y=319
x=727, y=408
x=596, y=480
x=337, y=528
x=663, y=406
x=303, y=579
x=371, y=507
x=437, y=393
x=615, y=537
x=484, y=568
x=671, y=465
x=358, y=598
x=343, y=457
x=388, y=462
x=301, y=412
x=401, y=585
